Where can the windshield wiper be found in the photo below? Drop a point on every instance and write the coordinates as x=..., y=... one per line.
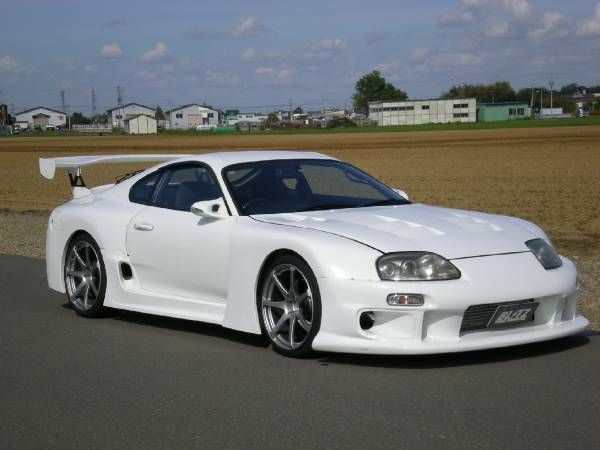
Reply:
x=389, y=201
x=327, y=206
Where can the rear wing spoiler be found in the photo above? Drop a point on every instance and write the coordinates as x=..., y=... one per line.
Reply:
x=73, y=164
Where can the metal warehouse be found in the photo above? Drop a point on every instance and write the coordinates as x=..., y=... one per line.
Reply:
x=416, y=112
x=497, y=112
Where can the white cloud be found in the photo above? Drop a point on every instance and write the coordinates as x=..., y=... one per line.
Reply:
x=111, y=51
x=273, y=73
x=470, y=11
x=453, y=19
x=387, y=67
x=324, y=49
x=249, y=54
x=553, y=25
x=591, y=27
x=497, y=29
x=420, y=54
x=519, y=9
x=10, y=66
x=252, y=55
x=454, y=59
x=248, y=26
x=160, y=51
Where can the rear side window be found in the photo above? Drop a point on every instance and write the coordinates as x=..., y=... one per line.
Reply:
x=143, y=190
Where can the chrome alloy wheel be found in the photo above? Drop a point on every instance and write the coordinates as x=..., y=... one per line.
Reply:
x=83, y=276
x=287, y=306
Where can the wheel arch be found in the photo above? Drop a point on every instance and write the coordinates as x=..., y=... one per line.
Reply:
x=267, y=262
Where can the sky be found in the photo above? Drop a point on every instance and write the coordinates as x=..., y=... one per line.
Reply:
x=262, y=55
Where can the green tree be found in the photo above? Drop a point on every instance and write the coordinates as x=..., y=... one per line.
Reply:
x=298, y=110
x=159, y=114
x=271, y=121
x=100, y=118
x=500, y=91
x=79, y=119
x=373, y=87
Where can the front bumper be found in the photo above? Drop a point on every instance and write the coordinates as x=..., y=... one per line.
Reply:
x=436, y=326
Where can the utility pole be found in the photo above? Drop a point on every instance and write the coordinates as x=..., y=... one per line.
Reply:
x=531, y=103
x=120, y=95
x=551, y=83
x=541, y=101
x=93, y=103
x=290, y=111
x=120, y=105
x=62, y=101
x=65, y=107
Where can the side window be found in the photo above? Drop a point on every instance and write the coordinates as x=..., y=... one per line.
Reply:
x=186, y=185
x=142, y=191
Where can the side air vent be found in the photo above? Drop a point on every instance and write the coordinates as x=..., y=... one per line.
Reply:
x=126, y=271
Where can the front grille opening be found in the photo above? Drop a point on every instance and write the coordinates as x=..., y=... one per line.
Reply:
x=477, y=317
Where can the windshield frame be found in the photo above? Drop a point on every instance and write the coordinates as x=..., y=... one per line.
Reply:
x=243, y=213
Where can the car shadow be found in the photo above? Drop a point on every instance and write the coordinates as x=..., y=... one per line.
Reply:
x=447, y=360
x=182, y=325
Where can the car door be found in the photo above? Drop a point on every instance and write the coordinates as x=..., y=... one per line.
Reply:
x=173, y=251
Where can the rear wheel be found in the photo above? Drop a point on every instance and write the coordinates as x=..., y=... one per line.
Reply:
x=85, y=276
x=289, y=306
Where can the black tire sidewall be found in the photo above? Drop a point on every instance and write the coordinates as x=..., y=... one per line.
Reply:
x=98, y=308
x=306, y=348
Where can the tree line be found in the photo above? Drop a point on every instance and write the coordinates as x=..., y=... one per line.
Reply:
x=373, y=87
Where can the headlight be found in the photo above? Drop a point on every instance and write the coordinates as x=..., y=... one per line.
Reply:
x=545, y=253
x=415, y=266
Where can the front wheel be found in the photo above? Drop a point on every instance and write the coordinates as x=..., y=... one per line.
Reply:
x=85, y=276
x=289, y=306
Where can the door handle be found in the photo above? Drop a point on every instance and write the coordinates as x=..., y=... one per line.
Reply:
x=143, y=226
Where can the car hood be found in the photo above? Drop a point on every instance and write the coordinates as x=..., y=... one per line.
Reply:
x=451, y=233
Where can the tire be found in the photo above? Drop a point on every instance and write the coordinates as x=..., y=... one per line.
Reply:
x=289, y=318
x=85, y=276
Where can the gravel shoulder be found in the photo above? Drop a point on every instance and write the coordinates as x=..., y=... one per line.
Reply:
x=23, y=234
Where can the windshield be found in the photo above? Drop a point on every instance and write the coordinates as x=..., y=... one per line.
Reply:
x=293, y=185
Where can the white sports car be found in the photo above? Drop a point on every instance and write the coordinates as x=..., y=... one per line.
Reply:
x=308, y=250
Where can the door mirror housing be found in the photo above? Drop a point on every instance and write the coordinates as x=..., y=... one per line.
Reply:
x=401, y=193
x=212, y=209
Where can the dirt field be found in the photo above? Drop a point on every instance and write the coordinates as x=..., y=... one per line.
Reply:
x=550, y=176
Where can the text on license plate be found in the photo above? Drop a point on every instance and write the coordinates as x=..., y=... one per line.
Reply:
x=515, y=314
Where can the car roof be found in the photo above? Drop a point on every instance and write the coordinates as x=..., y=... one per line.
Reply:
x=219, y=160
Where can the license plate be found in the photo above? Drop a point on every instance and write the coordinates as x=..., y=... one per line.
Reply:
x=510, y=315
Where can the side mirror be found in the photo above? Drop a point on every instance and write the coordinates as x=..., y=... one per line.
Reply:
x=401, y=193
x=212, y=209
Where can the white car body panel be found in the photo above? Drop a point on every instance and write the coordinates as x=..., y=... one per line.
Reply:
x=208, y=270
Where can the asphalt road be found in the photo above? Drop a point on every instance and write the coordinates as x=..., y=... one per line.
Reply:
x=133, y=380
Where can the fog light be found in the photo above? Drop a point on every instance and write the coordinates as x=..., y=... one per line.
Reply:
x=405, y=300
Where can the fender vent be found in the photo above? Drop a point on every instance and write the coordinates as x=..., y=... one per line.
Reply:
x=126, y=271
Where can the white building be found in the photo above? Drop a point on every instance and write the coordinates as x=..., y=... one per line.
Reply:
x=140, y=124
x=42, y=117
x=246, y=118
x=120, y=113
x=417, y=112
x=191, y=116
